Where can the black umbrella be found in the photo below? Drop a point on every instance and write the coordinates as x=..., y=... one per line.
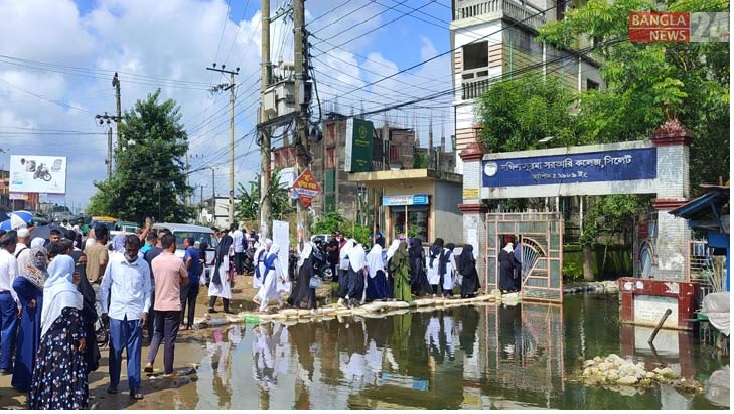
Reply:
x=42, y=231
x=4, y=216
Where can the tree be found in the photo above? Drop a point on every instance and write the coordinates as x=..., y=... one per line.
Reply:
x=516, y=114
x=649, y=82
x=149, y=178
x=249, y=206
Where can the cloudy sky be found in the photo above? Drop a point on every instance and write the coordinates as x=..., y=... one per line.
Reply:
x=57, y=60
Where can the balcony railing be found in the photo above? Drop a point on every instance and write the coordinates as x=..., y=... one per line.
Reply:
x=521, y=11
x=472, y=90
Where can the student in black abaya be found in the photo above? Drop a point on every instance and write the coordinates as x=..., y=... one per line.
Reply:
x=468, y=272
x=302, y=291
x=506, y=260
x=418, y=279
x=434, y=271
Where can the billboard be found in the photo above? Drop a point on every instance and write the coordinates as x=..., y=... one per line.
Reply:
x=358, y=151
x=37, y=174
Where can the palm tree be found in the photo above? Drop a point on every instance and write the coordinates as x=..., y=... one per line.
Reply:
x=279, y=196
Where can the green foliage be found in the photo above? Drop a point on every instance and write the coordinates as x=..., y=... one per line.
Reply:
x=516, y=114
x=649, y=82
x=331, y=222
x=249, y=206
x=149, y=178
x=420, y=160
x=611, y=215
x=572, y=270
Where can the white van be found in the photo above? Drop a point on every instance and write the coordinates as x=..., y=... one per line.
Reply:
x=198, y=233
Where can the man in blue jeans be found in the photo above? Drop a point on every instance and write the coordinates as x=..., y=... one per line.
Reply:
x=189, y=292
x=9, y=308
x=127, y=282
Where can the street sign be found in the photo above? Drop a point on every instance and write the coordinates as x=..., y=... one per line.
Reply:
x=306, y=187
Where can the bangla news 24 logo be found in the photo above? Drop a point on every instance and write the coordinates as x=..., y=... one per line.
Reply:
x=678, y=27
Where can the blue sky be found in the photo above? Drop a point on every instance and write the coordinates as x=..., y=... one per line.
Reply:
x=58, y=58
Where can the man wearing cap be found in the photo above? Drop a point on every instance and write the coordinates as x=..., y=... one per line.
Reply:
x=22, y=252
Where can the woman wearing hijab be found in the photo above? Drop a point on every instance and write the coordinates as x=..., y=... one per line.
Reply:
x=506, y=260
x=302, y=291
x=269, y=288
x=89, y=312
x=259, y=259
x=468, y=271
x=446, y=268
x=390, y=278
x=29, y=287
x=220, y=286
x=37, y=242
x=418, y=279
x=60, y=374
x=400, y=268
x=356, y=273
x=377, y=283
x=344, y=270
x=433, y=259
x=118, y=244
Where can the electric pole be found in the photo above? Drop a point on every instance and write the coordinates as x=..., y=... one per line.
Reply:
x=116, y=84
x=265, y=207
x=230, y=87
x=303, y=157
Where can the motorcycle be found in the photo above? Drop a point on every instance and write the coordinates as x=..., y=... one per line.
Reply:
x=249, y=262
x=42, y=172
x=321, y=265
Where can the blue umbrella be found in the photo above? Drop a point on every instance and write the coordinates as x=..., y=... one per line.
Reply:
x=17, y=220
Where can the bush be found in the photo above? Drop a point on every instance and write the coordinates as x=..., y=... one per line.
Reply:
x=572, y=271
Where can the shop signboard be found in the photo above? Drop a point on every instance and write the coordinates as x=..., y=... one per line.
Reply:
x=306, y=187
x=37, y=174
x=358, y=146
x=405, y=200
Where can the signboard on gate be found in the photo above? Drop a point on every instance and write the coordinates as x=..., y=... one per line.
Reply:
x=306, y=187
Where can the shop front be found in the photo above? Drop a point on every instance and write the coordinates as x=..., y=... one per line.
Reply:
x=419, y=203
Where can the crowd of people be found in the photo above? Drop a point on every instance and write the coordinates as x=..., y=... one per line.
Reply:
x=401, y=272
x=57, y=300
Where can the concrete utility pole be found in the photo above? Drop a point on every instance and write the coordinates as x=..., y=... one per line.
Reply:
x=302, y=103
x=102, y=119
x=265, y=207
x=116, y=84
x=230, y=87
x=213, y=200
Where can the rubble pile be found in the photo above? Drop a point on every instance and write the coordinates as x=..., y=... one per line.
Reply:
x=616, y=371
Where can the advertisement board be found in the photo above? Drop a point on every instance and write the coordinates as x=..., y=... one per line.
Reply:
x=358, y=146
x=37, y=174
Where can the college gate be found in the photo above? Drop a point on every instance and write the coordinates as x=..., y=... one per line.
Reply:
x=658, y=166
x=541, y=238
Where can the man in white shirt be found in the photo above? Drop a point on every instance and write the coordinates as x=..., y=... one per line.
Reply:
x=239, y=248
x=127, y=282
x=22, y=252
x=9, y=304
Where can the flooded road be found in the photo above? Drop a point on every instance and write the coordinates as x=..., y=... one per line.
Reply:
x=473, y=357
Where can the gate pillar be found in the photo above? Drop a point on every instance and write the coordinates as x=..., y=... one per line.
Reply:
x=471, y=207
x=672, y=243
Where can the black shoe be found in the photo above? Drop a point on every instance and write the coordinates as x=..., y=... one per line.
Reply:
x=111, y=390
x=6, y=371
x=135, y=393
x=211, y=310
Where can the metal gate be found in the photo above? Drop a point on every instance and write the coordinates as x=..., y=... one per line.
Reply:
x=541, y=235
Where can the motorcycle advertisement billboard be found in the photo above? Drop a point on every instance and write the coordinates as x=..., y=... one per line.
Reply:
x=37, y=174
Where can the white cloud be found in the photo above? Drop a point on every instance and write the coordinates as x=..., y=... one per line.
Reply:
x=168, y=44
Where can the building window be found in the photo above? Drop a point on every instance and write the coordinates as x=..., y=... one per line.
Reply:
x=394, y=155
x=590, y=84
x=476, y=55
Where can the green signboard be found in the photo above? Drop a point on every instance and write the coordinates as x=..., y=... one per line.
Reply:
x=360, y=136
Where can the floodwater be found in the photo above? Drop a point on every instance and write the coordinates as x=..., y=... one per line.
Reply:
x=473, y=357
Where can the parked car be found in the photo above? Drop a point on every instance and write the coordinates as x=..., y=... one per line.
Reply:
x=198, y=233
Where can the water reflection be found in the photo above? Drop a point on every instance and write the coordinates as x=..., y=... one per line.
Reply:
x=486, y=357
